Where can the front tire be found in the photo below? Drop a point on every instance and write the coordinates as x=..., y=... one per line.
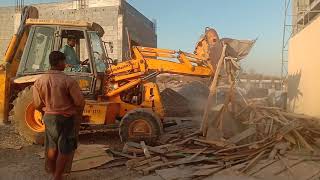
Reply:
x=140, y=125
x=27, y=121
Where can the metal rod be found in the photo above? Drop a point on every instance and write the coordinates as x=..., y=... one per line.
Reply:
x=287, y=3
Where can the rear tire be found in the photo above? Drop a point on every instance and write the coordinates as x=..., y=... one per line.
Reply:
x=22, y=109
x=140, y=125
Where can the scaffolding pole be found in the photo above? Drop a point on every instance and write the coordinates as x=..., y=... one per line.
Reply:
x=285, y=41
x=19, y=4
x=291, y=26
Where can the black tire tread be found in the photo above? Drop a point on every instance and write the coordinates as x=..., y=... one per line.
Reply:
x=17, y=115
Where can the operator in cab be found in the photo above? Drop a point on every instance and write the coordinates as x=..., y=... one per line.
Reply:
x=72, y=60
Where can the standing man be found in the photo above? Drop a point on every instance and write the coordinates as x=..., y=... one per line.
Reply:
x=72, y=59
x=60, y=97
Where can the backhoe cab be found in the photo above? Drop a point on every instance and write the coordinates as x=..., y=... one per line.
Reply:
x=41, y=38
x=128, y=104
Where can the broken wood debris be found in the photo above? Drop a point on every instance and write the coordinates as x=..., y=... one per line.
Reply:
x=269, y=135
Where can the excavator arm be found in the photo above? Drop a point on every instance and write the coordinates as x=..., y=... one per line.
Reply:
x=149, y=62
x=11, y=60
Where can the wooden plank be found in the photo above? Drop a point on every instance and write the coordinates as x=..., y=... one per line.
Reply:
x=253, y=162
x=132, y=162
x=141, y=168
x=90, y=162
x=198, y=153
x=268, y=108
x=123, y=154
x=241, y=111
x=284, y=119
x=167, y=137
x=287, y=128
x=207, y=166
x=174, y=173
x=280, y=121
x=150, y=177
x=153, y=149
x=145, y=149
x=201, y=144
x=187, y=160
x=164, y=159
x=147, y=161
x=218, y=121
x=258, y=169
x=271, y=127
x=252, y=115
x=243, y=135
x=290, y=166
x=213, y=88
x=192, y=134
x=290, y=139
x=184, y=141
x=147, y=170
x=207, y=172
x=221, y=143
x=268, y=139
x=303, y=141
x=114, y=163
x=273, y=153
x=287, y=167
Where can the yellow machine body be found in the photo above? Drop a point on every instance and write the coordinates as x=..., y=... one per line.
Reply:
x=123, y=88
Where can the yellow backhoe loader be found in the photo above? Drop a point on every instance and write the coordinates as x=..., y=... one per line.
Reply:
x=118, y=95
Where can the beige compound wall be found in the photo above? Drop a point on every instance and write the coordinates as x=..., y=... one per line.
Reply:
x=304, y=71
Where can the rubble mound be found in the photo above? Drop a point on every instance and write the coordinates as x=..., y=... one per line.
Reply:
x=175, y=105
x=273, y=144
x=197, y=94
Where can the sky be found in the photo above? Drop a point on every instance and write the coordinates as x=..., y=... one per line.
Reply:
x=180, y=23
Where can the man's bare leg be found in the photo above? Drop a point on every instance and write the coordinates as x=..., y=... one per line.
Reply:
x=51, y=161
x=61, y=164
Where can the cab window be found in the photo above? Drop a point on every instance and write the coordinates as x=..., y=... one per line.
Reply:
x=41, y=44
x=97, y=51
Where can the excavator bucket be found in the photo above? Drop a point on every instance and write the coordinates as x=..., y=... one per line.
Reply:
x=210, y=47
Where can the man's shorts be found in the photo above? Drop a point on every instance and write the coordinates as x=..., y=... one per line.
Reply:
x=60, y=133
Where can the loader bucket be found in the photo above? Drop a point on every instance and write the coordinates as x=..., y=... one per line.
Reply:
x=210, y=47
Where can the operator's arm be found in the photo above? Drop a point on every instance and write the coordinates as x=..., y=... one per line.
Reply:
x=63, y=49
x=38, y=103
x=77, y=95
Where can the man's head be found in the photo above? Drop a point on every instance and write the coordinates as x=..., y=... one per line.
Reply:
x=72, y=40
x=57, y=60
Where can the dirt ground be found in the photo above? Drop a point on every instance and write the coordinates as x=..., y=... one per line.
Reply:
x=19, y=160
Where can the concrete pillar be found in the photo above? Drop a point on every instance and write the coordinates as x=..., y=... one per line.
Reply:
x=16, y=21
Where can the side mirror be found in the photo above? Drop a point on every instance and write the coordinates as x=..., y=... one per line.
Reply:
x=115, y=62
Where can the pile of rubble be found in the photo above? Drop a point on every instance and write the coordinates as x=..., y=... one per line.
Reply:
x=266, y=137
x=271, y=134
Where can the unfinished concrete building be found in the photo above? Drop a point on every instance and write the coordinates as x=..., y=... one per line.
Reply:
x=304, y=58
x=117, y=17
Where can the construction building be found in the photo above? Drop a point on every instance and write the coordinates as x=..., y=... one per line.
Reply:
x=118, y=18
x=304, y=58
